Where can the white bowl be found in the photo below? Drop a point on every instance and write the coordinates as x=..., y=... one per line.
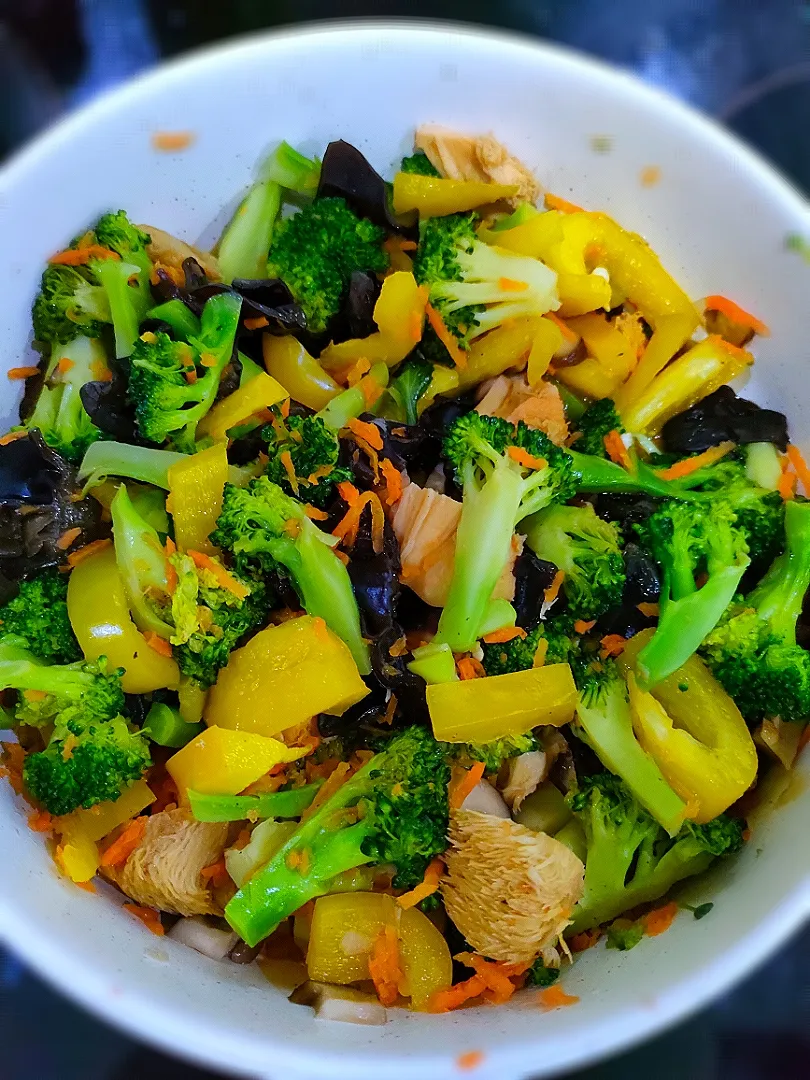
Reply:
x=719, y=218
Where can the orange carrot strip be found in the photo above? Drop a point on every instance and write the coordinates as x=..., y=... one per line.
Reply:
x=385, y=966
x=612, y=645
x=40, y=821
x=506, y=633
x=393, y=481
x=65, y=365
x=735, y=313
x=497, y=975
x=357, y=371
x=168, y=141
x=506, y=284
x=652, y=611
x=470, y=668
x=22, y=372
x=68, y=537
x=348, y=525
x=586, y=940
x=156, y=642
x=554, y=202
x=442, y=1001
x=698, y=461
x=554, y=997
x=553, y=591
x=445, y=336
x=82, y=553
x=524, y=458
x=660, y=919
x=786, y=485
x=426, y=887
x=314, y=514
x=348, y=492
x=287, y=461
x=465, y=783
x=561, y=325
x=13, y=758
x=88, y=886
x=369, y=432
x=122, y=847
x=225, y=580
x=148, y=916
x=469, y=1060
x=12, y=436
x=80, y=256
x=582, y=627
x=617, y=451
x=255, y=324
x=796, y=459
x=216, y=874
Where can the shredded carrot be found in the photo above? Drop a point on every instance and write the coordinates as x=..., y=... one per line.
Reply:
x=582, y=627
x=506, y=633
x=612, y=645
x=314, y=514
x=12, y=436
x=385, y=966
x=127, y=841
x=171, y=579
x=82, y=553
x=650, y=175
x=586, y=940
x=786, y=485
x=554, y=202
x=34, y=695
x=87, y=886
x=40, y=821
x=160, y=645
x=470, y=1060
x=553, y=591
x=617, y=451
x=540, y=653
x=371, y=389
x=660, y=919
x=524, y=458
x=347, y=527
x=344, y=558
x=735, y=313
x=67, y=538
x=170, y=547
x=698, y=461
x=442, y=1001
x=22, y=372
x=367, y=431
x=172, y=141
x=255, y=324
x=13, y=758
x=287, y=461
x=148, y=916
x=651, y=611
x=415, y=325
x=80, y=256
x=562, y=326
x=336, y=779
x=554, y=997
x=225, y=580
x=461, y=788
x=800, y=467
x=65, y=365
x=399, y=648
x=348, y=492
x=216, y=874
x=506, y=284
x=393, y=482
x=497, y=975
x=390, y=711
x=446, y=337
x=470, y=668
x=426, y=887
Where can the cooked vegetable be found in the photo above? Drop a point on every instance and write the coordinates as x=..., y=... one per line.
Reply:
x=38, y=615
x=276, y=804
x=409, y=386
x=144, y=463
x=438, y=196
x=720, y=417
x=252, y=399
x=166, y=727
x=59, y=414
x=243, y=247
x=300, y=374
x=598, y=420
x=196, y=484
x=495, y=753
x=222, y=762
x=303, y=454
x=58, y=692
x=418, y=163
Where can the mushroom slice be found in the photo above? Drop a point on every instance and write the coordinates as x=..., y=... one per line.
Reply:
x=526, y=773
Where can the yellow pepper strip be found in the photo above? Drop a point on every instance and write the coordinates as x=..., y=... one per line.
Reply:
x=220, y=762
x=100, y=820
x=506, y=347
x=283, y=676
x=299, y=373
x=671, y=333
x=536, y=237
x=435, y=197
x=99, y=615
x=444, y=380
x=77, y=856
x=191, y=700
x=549, y=338
x=481, y=710
x=581, y=293
x=256, y=395
x=196, y=485
x=695, y=733
x=610, y=361
x=687, y=380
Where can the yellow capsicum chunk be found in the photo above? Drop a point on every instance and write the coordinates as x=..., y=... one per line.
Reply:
x=507, y=346
x=195, y=497
x=671, y=333
x=99, y=615
x=695, y=733
x=77, y=856
x=100, y=820
x=256, y=395
x=435, y=196
x=299, y=373
x=222, y=762
x=283, y=676
x=610, y=361
x=481, y=710
x=547, y=341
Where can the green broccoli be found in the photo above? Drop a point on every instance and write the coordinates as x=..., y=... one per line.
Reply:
x=315, y=252
x=266, y=530
x=419, y=163
x=39, y=616
x=493, y=754
x=623, y=935
x=410, y=385
x=506, y=473
x=598, y=420
x=753, y=652
x=312, y=448
x=541, y=976
x=174, y=383
x=630, y=859
x=393, y=810
x=587, y=550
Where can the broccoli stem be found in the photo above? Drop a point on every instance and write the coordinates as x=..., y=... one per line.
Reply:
x=142, y=463
x=126, y=301
x=245, y=243
x=292, y=171
x=175, y=314
x=594, y=474
x=141, y=561
x=349, y=404
x=779, y=596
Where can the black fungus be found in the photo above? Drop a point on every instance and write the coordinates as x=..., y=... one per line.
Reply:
x=532, y=577
x=375, y=577
x=263, y=298
x=642, y=584
x=358, y=308
x=625, y=511
x=722, y=417
x=108, y=406
x=392, y=673
x=346, y=173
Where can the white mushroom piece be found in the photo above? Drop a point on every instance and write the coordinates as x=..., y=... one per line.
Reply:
x=164, y=870
x=476, y=157
x=509, y=890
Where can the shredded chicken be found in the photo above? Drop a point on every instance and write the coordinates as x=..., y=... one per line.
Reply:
x=425, y=523
x=540, y=406
x=476, y=157
x=164, y=870
x=169, y=251
x=509, y=890
x=526, y=773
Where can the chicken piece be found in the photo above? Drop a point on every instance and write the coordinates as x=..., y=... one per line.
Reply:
x=425, y=524
x=539, y=406
x=170, y=252
x=476, y=157
x=509, y=890
x=164, y=870
x=525, y=774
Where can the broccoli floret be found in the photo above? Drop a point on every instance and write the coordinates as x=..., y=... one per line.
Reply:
x=758, y=513
x=393, y=810
x=476, y=287
x=312, y=448
x=540, y=975
x=39, y=616
x=587, y=550
x=174, y=383
x=630, y=859
x=623, y=935
x=507, y=472
x=70, y=303
x=493, y=754
x=418, y=163
x=598, y=420
x=689, y=540
x=266, y=530
x=753, y=652
x=556, y=636
x=86, y=762
x=116, y=232
x=409, y=386
x=316, y=251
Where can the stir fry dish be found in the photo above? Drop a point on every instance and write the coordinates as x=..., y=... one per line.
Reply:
x=399, y=595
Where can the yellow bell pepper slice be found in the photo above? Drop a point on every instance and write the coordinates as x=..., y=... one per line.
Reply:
x=538, y=237
x=481, y=710
x=697, y=373
x=695, y=733
x=581, y=293
x=610, y=361
x=301, y=375
x=100, y=820
x=196, y=485
x=426, y=961
x=222, y=762
x=507, y=346
x=444, y=380
x=548, y=339
x=99, y=615
x=256, y=395
x=77, y=856
x=671, y=333
x=283, y=676
x=435, y=196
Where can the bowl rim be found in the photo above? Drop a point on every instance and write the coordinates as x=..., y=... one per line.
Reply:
x=46, y=953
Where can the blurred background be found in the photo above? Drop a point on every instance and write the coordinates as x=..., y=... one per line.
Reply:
x=745, y=62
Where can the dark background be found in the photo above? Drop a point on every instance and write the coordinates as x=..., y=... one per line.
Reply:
x=746, y=62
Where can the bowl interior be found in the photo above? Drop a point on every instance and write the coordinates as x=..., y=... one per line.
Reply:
x=719, y=219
